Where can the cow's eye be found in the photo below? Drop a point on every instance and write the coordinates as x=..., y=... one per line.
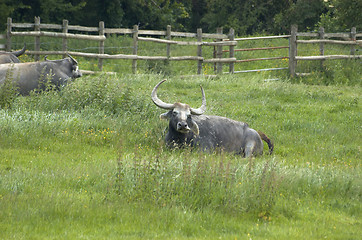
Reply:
x=174, y=113
x=189, y=116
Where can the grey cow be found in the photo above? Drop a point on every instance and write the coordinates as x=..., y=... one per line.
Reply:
x=11, y=57
x=189, y=127
x=33, y=75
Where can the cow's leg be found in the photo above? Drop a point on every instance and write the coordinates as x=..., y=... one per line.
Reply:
x=249, y=149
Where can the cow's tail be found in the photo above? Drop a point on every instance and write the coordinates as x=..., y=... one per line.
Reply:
x=267, y=140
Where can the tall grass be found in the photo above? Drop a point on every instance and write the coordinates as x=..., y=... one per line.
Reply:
x=8, y=90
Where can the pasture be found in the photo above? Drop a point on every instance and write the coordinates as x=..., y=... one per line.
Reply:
x=89, y=162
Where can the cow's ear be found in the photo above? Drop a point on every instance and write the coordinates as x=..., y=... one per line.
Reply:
x=195, y=128
x=165, y=116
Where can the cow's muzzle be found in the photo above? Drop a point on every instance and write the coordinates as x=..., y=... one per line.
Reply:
x=76, y=72
x=182, y=127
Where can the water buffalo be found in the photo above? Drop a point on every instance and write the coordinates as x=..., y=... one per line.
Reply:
x=189, y=127
x=33, y=75
x=11, y=57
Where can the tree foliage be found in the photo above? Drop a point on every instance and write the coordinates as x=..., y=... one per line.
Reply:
x=304, y=13
x=341, y=15
x=245, y=16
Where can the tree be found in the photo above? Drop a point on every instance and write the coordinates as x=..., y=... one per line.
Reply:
x=342, y=15
x=54, y=11
x=8, y=8
x=245, y=16
x=156, y=14
x=94, y=11
x=50, y=11
x=304, y=13
x=198, y=10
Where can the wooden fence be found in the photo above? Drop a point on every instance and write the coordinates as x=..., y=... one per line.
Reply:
x=101, y=37
x=323, y=39
x=220, y=42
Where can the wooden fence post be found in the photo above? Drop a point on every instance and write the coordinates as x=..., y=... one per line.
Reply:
x=65, y=40
x=199, y=50
x=231, y=50
x=135, y=48
x=37, y=39
x=293, y=50
x=353, y=38
x=101, y=45
x=168, y=37
x=8, y=35
x=214, y=55
x=321, y=45
x=168, y=46
x=219, y=53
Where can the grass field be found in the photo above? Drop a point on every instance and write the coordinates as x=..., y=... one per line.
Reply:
x=89, y=162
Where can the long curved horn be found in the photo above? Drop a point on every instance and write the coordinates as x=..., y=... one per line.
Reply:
x=202, y=109
x=20, y=52
x=74, y=61
x=159, y=102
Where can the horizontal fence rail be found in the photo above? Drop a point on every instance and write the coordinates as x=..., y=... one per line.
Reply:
x=327, y=35
x=231, y=43
x=261, y=59
x=255, y=49
x=222, y=44
x=357, y=42
x=330, y=57
x=261, y=70
x=260, y=38
x=60, y=35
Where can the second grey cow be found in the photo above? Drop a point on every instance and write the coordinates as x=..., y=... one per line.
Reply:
x=11, y=57
x=189, y=127
x=33, y=75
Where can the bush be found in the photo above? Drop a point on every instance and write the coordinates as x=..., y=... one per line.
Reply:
x=332, y=72
x=104, y=93
x=8, y=91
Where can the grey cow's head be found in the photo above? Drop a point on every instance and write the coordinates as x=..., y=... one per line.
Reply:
x=76, y=73
x=179, y=114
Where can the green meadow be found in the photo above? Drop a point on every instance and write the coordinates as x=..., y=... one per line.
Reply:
x=89, y=161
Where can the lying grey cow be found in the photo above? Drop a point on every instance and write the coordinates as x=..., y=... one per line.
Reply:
x=188, y=127
x=33, y=75
x=11, y=57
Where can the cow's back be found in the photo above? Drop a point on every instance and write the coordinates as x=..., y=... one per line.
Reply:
x=8, y=58
x=25, y=75
x=33, y=75
x=224, y=133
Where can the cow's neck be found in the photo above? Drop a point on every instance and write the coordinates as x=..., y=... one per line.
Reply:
x=175, y=137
